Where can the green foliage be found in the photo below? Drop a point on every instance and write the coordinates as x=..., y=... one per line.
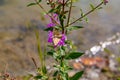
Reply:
x=71, y=28
x=107, y=51
x=38, y=77
x=51, y=28
x=74, y=55
x=118, y=78
x=77, y=75
x=39, y=1
x=48, y=29
x=92, y=6
x=31, y=4
x=118, y=59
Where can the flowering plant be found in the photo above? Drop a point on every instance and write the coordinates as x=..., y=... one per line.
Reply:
x=60, y=48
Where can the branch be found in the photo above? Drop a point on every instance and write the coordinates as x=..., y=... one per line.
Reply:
x=46, y=12
x=69, y=13
x=85, y=14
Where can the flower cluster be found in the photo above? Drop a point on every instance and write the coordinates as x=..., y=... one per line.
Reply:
x=53, y=20
x=58, y=39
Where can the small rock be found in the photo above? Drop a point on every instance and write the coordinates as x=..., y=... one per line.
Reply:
x=93, y=74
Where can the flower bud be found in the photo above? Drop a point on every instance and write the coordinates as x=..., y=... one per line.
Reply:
x=105, y=2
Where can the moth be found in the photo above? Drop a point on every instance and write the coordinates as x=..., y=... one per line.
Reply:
x=56, y=37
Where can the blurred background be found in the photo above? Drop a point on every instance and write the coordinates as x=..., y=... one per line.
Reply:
x=18, y=42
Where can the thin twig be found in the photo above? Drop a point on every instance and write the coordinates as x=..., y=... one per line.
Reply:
x=40, y=6
x=69, y=13
x=34, y=62
x=85, y=14
x=63, y=14
x=46, y=12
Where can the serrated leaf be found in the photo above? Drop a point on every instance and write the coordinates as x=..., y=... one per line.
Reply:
x=31, y=4
x=77, y=75
x=74, y=55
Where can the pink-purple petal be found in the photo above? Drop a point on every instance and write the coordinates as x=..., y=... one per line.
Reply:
x=50, y=37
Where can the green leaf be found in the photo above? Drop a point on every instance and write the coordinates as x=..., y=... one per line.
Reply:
x=77, y=75
x=92, y=6
x=44, y=70
x=73, y=28
x=28, y=77
x=68, y=42
x=55, y=73
x=118, y=59
x=52, y=10
x=51, y=46
x=74, y=55
x=38, y=77
x=39, y=0
x=51, y=52
x=86, y=19
x=107, y=51
x=65, y=12
x=48, y=29
x=74, y=0
x=31, y=4
x=100, y=8
x=81, y=12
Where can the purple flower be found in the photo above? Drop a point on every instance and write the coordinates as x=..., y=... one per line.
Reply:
x=57, y=40
x=50, y=37
x=105, y=1
x=53, y=20
x=61, y=1
x=62, y=40
x=50, y=25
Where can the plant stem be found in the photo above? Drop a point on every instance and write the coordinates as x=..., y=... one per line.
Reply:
x=39, y=48
x=85, y=14
x=40, y=6
x=69, y=13
x=63, y=9
x=46, y=12
x=34, y=62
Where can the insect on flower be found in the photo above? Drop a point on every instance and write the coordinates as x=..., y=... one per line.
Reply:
x=56, y=38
